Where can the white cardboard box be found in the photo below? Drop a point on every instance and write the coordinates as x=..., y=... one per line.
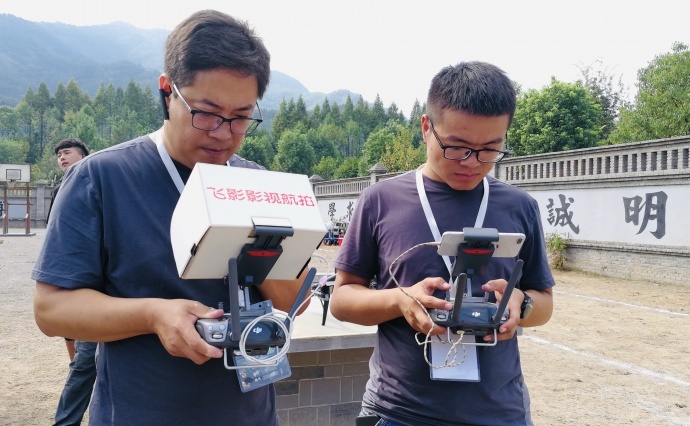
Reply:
x=215, y=216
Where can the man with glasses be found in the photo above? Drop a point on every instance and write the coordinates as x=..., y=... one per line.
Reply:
x=469, y=109
x=106, y=271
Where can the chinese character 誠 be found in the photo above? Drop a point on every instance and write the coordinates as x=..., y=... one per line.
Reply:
x=652, y=208
x=233, y=194
x=560, y=216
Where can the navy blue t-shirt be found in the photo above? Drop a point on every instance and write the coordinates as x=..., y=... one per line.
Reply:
x=110, y=231
x=388, y=220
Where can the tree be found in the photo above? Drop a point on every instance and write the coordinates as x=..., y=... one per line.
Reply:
x=375, y=147
x=299, y=114
x=354, y=138
x=257, y=148
x=152, y=113
x=60, y=99
x=361, y=114
x=321, y=140
x=325, y=108
x=74, y=99
x=559, y=117
x=377, y=114
x=348, y=110
x=609, y=97
x=315, y=119
x=334, y=116
x=415, y=122
x=393, y=113
x=348, y=168
x=326, y=167
x=662, y=105
x=294, y=155
x=335, y=135
x=40, y=104
x=82, y=125
x=105, y=108
x=401, y=155
x=281, y=122
x=13, y=152
x=10, y=126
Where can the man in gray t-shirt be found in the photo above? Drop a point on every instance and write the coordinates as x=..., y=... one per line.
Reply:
x=469, y=109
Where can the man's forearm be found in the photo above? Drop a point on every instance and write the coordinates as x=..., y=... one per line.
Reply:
x=88, y=315
x=543, y=308
x=361, y=305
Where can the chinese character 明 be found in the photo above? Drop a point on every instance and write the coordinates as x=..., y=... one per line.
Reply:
x=654, y=208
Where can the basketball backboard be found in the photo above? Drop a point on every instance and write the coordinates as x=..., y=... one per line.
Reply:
x=15, y=173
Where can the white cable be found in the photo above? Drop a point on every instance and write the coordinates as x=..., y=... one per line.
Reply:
x=328, y=264
x=453, y=349
x=278, y=318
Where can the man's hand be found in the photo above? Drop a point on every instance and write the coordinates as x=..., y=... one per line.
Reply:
x=173, y=322
x=506, y=330
x=423, y=291
x=354, y=301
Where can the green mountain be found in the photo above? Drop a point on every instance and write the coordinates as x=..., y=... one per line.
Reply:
x=35, y=52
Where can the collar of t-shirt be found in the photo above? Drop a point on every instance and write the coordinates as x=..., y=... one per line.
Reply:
x=183, y=170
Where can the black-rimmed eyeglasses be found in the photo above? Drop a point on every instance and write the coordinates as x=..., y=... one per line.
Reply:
x=208, y=121
x=463, y=153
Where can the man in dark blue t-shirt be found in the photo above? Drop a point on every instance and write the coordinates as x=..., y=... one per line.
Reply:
x=469, y=109
x=106, y=272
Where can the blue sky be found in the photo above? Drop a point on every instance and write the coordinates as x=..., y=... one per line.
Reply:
x=393, y=48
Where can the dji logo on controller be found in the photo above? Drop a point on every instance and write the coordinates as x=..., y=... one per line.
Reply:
x=257, y=330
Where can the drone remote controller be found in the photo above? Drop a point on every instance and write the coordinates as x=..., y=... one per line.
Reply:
x=263, y=335
x=476, y=318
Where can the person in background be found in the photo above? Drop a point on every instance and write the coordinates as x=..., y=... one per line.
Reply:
x=469, y=109
x=76, y=393
x=68, y=151
x=106, y=271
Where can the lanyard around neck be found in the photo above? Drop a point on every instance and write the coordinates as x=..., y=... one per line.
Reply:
x=157, y=137
x=481, y=214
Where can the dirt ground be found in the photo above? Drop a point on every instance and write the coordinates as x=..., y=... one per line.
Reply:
x=614, y=353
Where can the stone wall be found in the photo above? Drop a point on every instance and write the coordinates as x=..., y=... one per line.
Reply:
x=325, y=387
x=654, y=264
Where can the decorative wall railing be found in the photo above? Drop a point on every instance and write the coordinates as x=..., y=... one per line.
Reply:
x=620, y=165
x=348, y=187
x=624, y=164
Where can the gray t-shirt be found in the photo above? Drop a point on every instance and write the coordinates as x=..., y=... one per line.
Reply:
x=388, y=220
x=110, y=231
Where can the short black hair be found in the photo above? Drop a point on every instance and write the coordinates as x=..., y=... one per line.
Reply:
x=478, y=88
x=208, y=40
x=72, y=143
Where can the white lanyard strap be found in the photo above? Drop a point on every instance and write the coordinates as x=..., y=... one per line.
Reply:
x=157, y=137
x=429, y=214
